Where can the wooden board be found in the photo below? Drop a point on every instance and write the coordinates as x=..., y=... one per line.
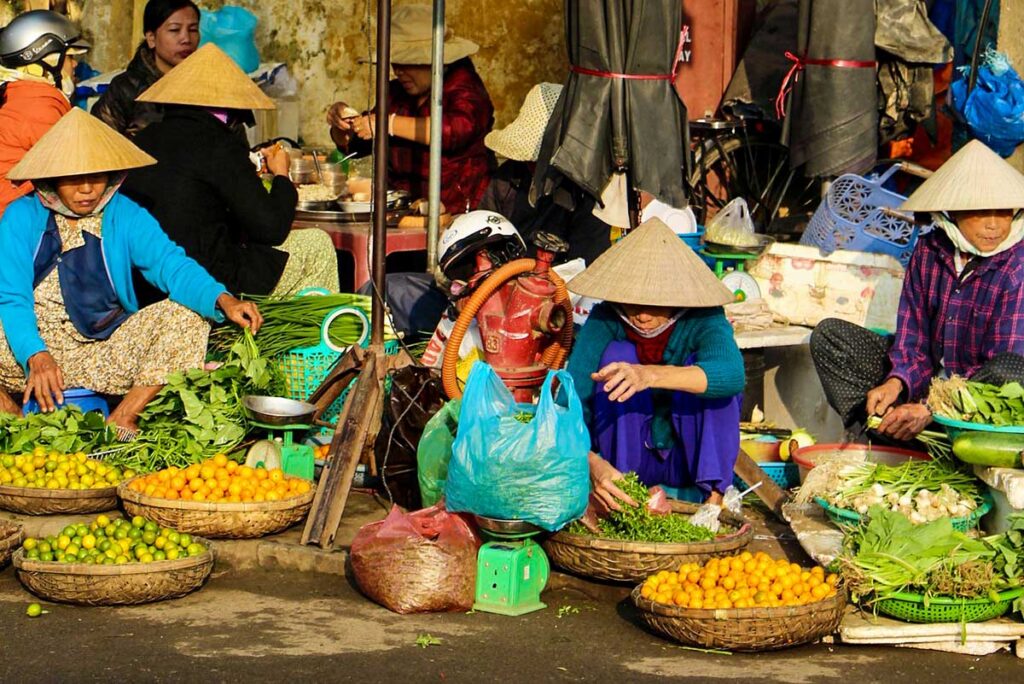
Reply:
x=769, y=492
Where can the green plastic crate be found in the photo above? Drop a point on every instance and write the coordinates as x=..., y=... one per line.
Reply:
x=916, y=608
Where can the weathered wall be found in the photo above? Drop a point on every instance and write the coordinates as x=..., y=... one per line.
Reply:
x=521, y=43
x=1011, y=41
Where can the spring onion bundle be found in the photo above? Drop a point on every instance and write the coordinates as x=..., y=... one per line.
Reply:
x=296, y=322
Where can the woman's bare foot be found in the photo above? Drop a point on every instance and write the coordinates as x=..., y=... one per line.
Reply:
x=714, y=498
x=8, y=405
x=126, y=415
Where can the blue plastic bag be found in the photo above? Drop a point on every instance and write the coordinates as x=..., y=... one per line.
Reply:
x=994, y=110
x=233, y=30
x=504, y=468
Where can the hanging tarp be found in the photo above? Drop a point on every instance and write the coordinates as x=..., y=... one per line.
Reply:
x=618, y=109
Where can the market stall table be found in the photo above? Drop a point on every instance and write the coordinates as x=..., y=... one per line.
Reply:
x=354, y=238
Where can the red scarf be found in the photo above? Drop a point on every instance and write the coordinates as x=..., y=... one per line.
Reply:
x=650, y=351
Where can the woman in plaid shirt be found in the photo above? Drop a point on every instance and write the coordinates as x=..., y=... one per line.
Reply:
x=962, y=306
x=467, y=116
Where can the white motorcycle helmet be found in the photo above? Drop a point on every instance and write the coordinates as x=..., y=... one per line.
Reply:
x=471, y=232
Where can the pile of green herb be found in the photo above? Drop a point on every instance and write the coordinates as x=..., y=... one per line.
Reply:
x=67, y=431
x=976, y=402
x=295, y=322
x=199, y=413
x=640, y=524
x=888, y=555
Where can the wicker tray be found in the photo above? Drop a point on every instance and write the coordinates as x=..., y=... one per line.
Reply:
x=626, y=561
x=112, y=585
x=218, y=520
x=912, y=608
x=743, y=629
x=844, y=517
x=37, y=501
x=11, y=537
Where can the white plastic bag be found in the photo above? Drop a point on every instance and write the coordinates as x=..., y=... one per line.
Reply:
x=732, y=226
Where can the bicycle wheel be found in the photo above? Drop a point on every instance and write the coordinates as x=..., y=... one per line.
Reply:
x=755, y=167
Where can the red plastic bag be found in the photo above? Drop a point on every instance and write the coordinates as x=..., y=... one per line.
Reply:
x=418, y=562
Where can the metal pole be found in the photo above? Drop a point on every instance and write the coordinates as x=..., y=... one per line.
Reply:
x=434, y=184
x=380, y=172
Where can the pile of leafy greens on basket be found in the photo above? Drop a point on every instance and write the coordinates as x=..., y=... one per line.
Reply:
x=888, y=555
x=199, y=413
x=67, y=431
x=638, y=523
x=295, y=322
x=976, y=402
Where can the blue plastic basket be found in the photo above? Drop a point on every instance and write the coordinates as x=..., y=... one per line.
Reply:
x=86, y=400
x=786, y=475
x=851, y=217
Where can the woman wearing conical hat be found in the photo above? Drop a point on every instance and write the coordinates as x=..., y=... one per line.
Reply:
x=657, y=368
x=68, y=309
x=962, y=306
x=208, y=196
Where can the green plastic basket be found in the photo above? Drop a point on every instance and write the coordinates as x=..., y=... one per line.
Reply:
x=916, y=608
x=306, y=367
x=955, y=427
x=844, y=517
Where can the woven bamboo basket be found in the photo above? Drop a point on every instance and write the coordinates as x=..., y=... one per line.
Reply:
x=35, y=501
x=86, y=584
x=10, y=538
x=744, y=629
x=627, y=561
x=220, y=520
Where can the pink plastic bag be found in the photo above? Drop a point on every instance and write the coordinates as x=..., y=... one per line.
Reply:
x=658, y=503
x=418, y=562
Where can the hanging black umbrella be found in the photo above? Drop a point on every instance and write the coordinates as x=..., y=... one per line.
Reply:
x=618, y=110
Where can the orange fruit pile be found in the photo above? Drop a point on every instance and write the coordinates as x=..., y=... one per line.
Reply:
x=220, y=479
x=748, y=580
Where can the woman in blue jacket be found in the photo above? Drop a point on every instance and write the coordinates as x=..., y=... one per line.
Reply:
x=657, y=368
x=69, y=314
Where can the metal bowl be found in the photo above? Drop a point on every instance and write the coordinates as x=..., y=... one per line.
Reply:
x=278, y=410
x=506, y=528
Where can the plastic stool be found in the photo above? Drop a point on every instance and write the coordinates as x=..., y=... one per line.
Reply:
x=85, y=399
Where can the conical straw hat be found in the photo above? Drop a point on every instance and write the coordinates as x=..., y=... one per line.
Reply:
x=652, y=267
x=79, y=144
x=207, y=78
x=973, y=178
x=521, y=139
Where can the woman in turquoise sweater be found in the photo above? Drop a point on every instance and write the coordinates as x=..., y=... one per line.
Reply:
x=69, y=312
x=657, y=368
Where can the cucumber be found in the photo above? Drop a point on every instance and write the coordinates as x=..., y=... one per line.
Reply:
x=998, y=449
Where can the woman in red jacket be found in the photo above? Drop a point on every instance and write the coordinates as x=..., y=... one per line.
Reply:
x=33, y=91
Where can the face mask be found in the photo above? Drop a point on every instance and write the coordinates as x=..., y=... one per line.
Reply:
x=651, y=334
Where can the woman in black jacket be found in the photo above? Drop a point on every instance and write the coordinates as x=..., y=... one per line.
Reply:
x=171, y=29
x=206, y=193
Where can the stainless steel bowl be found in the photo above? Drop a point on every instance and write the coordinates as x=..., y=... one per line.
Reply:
x=501, y=527
x=278, y=410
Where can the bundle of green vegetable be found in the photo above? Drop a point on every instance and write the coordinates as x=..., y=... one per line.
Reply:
x=888, y=555
x=921, y=491
x=67, y=431
x=640, y=524
x=291, y=323
x=976, y=402
x=199, y=413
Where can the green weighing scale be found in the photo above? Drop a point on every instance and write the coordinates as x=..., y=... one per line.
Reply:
x=512, y=569
x=730, y=267
x=282, y=419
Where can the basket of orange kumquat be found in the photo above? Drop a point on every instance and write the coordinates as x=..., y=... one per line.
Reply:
x=219, y=499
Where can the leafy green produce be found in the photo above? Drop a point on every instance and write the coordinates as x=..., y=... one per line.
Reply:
x=199, y=413
x=640, y=524
x=294, y=322
x=67, y=431
x=976, y=402
x=998, y=449
x=888, y=555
